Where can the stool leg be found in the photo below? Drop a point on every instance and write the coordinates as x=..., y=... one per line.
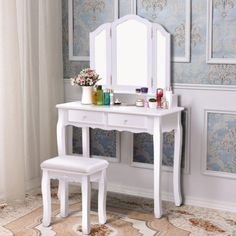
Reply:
x=64, y=198
x=102, y=198
x=86, y=191
x=46, y=193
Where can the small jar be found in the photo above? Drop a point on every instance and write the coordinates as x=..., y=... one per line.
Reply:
x=144, y=90
x=139, y=103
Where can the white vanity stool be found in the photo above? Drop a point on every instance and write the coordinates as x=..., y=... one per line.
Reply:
x=74, y=169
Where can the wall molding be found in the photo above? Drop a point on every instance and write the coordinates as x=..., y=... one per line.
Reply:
x=188, y=118
x=187, y=49
x=211, y=87
x=209, y=36
x=73, y=57
x=188, y=200
x=204, y=87
x=133, y=7
x=204, y=147
x=188, y=12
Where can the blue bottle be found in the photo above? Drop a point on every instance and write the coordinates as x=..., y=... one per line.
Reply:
x=106, y=97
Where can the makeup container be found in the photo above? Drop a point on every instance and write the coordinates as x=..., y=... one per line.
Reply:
x=159, y=95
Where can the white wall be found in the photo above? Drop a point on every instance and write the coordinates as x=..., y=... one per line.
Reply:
x=198, y=188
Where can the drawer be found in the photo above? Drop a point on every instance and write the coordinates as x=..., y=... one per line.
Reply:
x=132, y=121
x=86, y=117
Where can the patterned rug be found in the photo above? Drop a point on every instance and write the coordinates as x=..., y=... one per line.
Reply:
x=126, y=216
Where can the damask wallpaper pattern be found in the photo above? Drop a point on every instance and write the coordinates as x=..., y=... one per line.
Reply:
x=223, y=37
x=171, y=14
x=87, y=16
x=102, y=143
x=221, y=142
x=70, y=68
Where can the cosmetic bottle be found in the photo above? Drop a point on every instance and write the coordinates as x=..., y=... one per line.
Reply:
x=139, y=100
x=169, y=97
x=106, y=97
x=164, y=103
x=172, y=99
x=99, y=95
x=144, y=92
x=159, y=95
x=94, y=95
x=111, y=97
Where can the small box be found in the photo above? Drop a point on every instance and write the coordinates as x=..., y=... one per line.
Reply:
x=174, y=101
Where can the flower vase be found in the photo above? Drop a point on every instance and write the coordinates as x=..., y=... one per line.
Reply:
x=87, y=95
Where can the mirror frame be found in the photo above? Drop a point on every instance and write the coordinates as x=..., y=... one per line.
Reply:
x=159, y=30
x=155, y=31
x=107, y=28
x=115, y=84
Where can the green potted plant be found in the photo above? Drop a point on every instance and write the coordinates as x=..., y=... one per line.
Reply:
x=152, y=103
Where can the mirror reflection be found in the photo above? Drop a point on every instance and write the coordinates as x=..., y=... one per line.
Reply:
x=100, y=54
x=131, y=54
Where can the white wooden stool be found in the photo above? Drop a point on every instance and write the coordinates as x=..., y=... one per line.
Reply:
x=74, y=169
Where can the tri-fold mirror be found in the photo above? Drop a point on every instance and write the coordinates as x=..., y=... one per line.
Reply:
x=131, y=53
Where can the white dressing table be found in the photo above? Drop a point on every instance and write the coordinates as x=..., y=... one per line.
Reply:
x=132, y=119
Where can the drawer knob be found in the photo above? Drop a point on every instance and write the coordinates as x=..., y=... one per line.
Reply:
x=84, y=117
x=125, y=121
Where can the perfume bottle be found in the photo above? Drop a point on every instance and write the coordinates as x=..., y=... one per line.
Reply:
x=159, y=95
x=172, y=99
x=144, y=92
x=99, y=95
x=111, y=97
x=94, y=95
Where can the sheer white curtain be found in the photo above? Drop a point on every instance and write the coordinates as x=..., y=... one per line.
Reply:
x=31, y=84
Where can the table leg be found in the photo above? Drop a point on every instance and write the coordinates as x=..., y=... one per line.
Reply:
x=61, y=134
x=85, y=142
x=177, y=161
x=157, y=144
x=61, y=144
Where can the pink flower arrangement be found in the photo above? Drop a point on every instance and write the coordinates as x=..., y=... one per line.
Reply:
x=87, y=77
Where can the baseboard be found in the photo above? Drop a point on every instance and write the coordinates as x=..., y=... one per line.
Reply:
x=208, y=203
x=188, y=200
x=147, y=193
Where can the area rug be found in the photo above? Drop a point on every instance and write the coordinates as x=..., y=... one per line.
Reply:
x=126, y=216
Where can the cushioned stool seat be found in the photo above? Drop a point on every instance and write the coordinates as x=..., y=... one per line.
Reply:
x=75, y=163
x=74, y=169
